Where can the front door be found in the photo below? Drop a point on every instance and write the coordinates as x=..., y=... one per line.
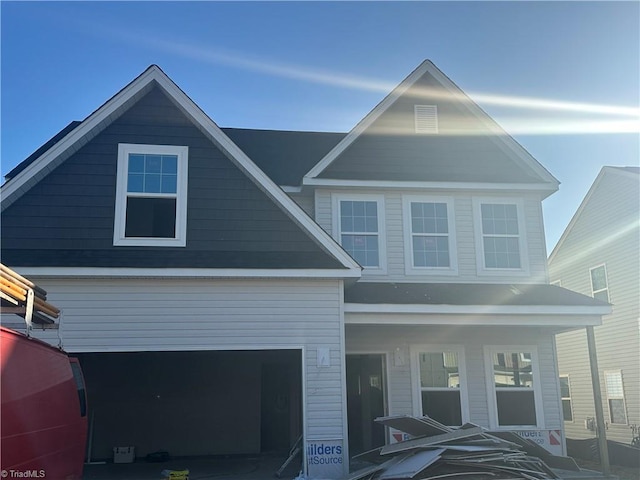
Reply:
x=365, y=401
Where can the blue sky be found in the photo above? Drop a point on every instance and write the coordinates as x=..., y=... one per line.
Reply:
x=562, y=77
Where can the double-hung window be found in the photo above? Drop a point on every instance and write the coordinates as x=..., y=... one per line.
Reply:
x=615, y=397
x=500, y=238
x=151, y=195
x=358, y=224
x=441, y=384
x=514, y=386
x=429, y=235
x=599, y=284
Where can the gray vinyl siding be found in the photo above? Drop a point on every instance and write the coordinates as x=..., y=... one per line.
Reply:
x=128, y=315
x=605, y=232
x=388, y=339
x=465, y=236
x=67, y=219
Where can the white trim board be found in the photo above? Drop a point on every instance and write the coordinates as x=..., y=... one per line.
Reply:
x=477, y=309
x=394, y=184
x=122, y=272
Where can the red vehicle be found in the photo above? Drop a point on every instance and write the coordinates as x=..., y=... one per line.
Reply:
x=44, y=409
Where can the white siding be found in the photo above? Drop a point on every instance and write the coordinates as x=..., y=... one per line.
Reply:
x=465, y=237
x=605, y=232
x=109, y=315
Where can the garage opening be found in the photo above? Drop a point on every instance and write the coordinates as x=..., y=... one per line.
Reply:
x=193, y=403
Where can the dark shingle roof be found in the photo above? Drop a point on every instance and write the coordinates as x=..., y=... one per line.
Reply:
x=465, y=294
x=285, y=156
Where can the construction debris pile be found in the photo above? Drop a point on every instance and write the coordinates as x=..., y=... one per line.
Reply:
x=435, y=451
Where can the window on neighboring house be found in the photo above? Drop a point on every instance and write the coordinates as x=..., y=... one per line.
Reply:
x=565, y=393
x=151, y=195
x=615, y=397
x=430, y=238
x=441, y=386
x=426, y=118
x=501, y=237
x=359, y=221
x=599, y=284
x=515, y=387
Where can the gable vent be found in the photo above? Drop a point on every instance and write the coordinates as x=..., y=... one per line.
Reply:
x=426, y=118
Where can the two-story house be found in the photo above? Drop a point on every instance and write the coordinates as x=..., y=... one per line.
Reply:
x=228, y=289
x=599, y=255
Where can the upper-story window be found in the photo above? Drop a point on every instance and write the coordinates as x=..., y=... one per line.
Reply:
x=429, y=235
x=599, y=284
x=358, y=226
x=500, y=239
x=151, y=195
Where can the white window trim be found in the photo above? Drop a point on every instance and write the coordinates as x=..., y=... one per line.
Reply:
x=570, y=398
x=180, y=240
x=522, y=240
x=606, y=279
x=381, y=269
x=410, y=268
x=489, y=351
x=415, y=351
x=624, y=400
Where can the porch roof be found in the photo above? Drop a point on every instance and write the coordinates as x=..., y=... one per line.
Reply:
x=467, y=294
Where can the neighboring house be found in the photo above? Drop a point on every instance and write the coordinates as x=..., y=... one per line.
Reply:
x=228, y=289
x=598, y=255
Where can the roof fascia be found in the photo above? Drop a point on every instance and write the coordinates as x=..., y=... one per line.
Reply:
x=518, y=187
x=90, y=126
x=108, y=113
x=502, y=137
x=235, y=154
x=367, y=121
x=555, y=322
x=585, y=201
x=106, y=272
x=476, y=310
x=578, y=213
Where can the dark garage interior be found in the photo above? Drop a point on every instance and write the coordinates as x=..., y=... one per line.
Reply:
x=203, y=403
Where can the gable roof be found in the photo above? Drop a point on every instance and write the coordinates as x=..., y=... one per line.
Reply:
x=63, y=145
x=628, y=172
x=539, y=177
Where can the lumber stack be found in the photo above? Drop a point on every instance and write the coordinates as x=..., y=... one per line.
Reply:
x=24, y=298
x=435, y=451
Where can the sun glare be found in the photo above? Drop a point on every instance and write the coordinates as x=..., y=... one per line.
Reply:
x=553, y=117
